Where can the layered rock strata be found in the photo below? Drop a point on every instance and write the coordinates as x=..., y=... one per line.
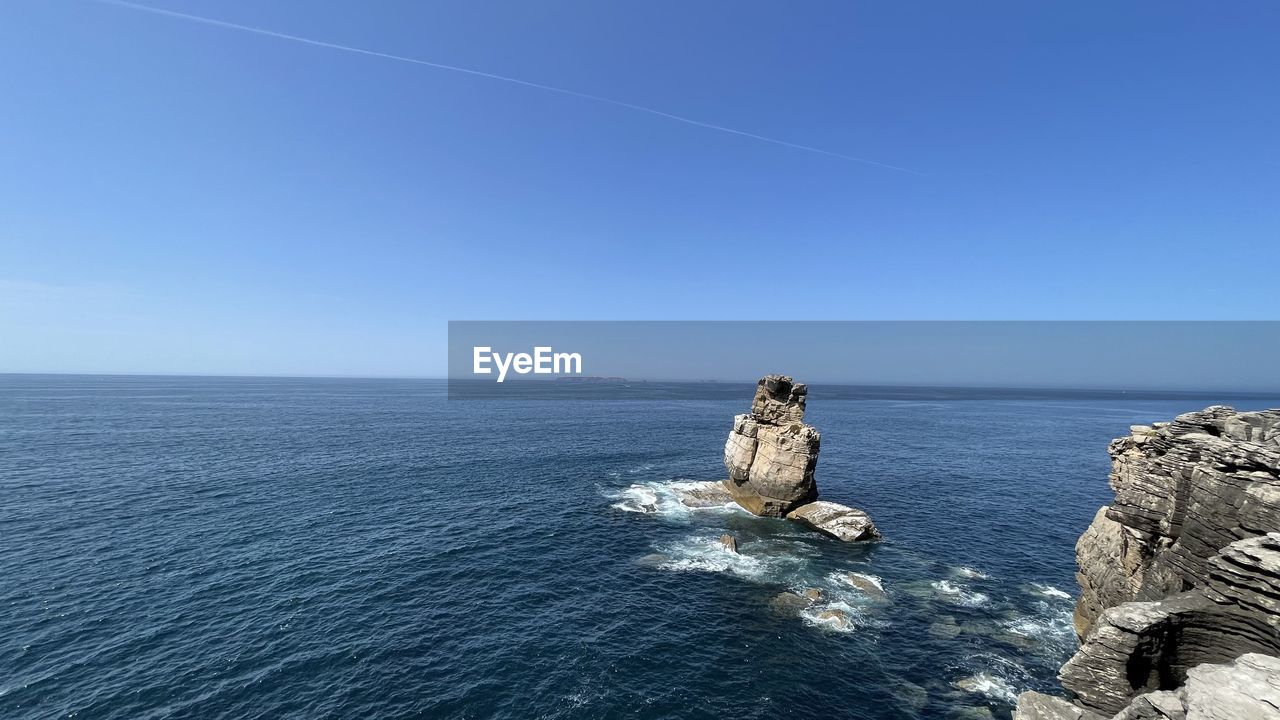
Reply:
x=771, y=454
x=772, y=458
x=1179, y=611
x=1184, y=490
x=1247, y=688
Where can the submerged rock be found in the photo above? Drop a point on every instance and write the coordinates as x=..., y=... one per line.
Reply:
x=653, y=560
x=998, y=633
x=834, y=618
x=788, y=603
x=865, y=584
x=839, y=521
x=971, y=712
x=944, y=629
x=986, y=685
x=911, y=696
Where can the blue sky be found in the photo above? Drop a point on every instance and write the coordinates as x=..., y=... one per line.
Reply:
x=185, y=198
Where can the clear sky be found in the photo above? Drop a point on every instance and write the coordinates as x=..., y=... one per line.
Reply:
x=181, y=197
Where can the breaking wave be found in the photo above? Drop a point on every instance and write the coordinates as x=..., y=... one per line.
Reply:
x=769, y=561
x=1050, y=591
x=662, y=499
x=988, y=685
x=843, y=578
x=1050, y=626
x=706, y=554
x=994, y=677
x=834, y=616
x=873, y=579
x=959, y=595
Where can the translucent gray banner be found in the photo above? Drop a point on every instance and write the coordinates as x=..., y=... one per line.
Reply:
x=943, y=360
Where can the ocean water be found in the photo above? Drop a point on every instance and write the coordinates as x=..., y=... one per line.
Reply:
x=238, y=548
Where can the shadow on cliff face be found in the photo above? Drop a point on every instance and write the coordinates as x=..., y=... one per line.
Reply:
x=1180, y=574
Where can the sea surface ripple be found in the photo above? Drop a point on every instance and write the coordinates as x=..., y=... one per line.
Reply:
x=275, y=548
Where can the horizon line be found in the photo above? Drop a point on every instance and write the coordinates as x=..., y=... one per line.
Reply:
x=838, y=383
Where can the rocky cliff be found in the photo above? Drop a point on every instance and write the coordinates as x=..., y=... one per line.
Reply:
x=772, y=458
x=1179, y=612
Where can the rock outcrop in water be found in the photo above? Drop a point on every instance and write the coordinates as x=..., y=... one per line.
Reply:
x=839, y=521
x=1179, y=611
x=772, y=456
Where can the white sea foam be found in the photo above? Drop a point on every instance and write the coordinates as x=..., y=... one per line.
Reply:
x=835, y=616
x=842, y=607
x=1049, y=625
x=1050, y=591
x=707, y=554
x=992, y=676
x=1039, y=627
x=770, y=561
x=971, y=573
x=960, y=595
x=989, y=685
x=873, y=579
x=841, y=579
x=662, y=499
x=637, y=498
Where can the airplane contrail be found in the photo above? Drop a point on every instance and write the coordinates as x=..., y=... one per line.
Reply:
x=492, y=76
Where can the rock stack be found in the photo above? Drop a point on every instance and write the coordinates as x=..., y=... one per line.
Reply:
x=1179, y=612
x=772, y=456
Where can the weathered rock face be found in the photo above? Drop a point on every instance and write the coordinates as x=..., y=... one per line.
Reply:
x=1247, y=688
x=771, y=454
x=779, y=400
x=1184, y=490
x=1038, y=706
x=1180, y=577
x=1147, y=646
x=705, y=494
x=838, y=521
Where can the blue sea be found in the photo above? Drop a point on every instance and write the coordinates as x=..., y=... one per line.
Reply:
x=279, y=548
